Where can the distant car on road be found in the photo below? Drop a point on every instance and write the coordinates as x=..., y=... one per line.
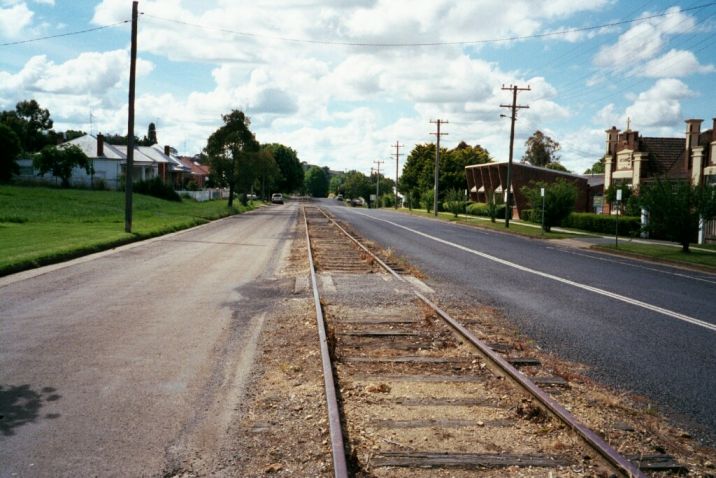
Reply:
x=339, y=197
x=277, y=198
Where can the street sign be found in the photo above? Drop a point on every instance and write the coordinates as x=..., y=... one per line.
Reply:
x=541, y=192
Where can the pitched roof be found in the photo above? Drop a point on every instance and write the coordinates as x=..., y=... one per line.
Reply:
x=666, y=156
x=88, y=144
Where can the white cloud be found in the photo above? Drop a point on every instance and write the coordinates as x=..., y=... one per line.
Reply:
x=675, y=63
x=643, y=41
x=90, y=73
x=660, y=105
x=14, y=19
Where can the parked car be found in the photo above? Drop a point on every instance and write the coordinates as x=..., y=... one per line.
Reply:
x=339, y=197
x=277, y=198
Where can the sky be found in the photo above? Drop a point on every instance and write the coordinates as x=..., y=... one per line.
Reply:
x=341, y=81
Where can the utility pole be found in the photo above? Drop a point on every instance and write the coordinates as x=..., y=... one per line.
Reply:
x=397, y=159
x=130, y=125
x=377, y=182
x=513, y=107
x=438, y=122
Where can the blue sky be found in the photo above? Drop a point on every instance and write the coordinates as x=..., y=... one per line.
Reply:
x=343, y=106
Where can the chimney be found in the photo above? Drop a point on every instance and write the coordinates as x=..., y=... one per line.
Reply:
x=167, y=149
x=693, y=130
x=100, y=145
x=713, y=130
x=612, y=138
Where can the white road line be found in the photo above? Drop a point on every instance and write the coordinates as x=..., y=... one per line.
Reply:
x=606, y=293
x=637, y=266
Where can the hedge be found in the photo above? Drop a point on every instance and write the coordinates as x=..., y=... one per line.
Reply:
x=587, y=221
x=482, y=209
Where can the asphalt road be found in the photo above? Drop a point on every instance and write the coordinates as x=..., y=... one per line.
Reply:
x=130, y=363
x=639, y=326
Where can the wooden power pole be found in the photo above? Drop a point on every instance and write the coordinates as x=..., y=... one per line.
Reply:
x=377, y=182
x=130, y=125
x=437, y=163
x=513, y=107
x=397, y=159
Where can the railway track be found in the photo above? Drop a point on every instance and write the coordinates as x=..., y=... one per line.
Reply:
x=411, y=392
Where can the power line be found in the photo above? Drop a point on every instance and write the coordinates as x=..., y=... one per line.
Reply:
x=79, y=32
x=664, y=13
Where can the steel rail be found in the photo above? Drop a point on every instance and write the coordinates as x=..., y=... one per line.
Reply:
x=626, y=467
x=340, y=468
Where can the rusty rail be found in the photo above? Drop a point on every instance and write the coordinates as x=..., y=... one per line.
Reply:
x=340, y=468
x=594, y=441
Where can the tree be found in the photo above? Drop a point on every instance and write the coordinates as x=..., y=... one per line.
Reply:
x=336, y=184
x=267, y=171
x=231, y=150
x=357, y=185
x=597, y=168
x=61, y=161
x=675, y=209
x=151, y=137
x=559, y=199
x=316, y=182
x=31, y=124
x=9, y=150
x=556, y=166
x=540, y=150
x=290, y=166
x=419, y=170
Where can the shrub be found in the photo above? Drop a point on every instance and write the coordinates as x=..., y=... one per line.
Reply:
x=603, y=223
x=558, y=201
x=454, y=202
x=156, y=187
x=483, y=209
x=427, y=199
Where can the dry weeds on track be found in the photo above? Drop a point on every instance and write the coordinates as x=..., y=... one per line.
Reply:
x=418, y=402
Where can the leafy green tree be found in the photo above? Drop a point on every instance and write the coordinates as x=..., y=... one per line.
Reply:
x=540, y=150
x=675, y=209
x=31, y=123
x=289, y=165
x=597, y=168
x=559, y=199
x=10, y=149
x=557, y=166
x=336, y=183
x=60, y=161
x=316, y=182
x=452, y=167
x=268, y=173
x=232, y=154
x=357, y=185
x=419, y=170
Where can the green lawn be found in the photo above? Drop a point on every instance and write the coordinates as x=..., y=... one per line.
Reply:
x=44, y=225
x=667, y=253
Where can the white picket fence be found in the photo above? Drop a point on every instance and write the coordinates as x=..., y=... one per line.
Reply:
x=206, y=194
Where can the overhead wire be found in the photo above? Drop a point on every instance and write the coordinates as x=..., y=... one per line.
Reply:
x=66, y=34
x=665, y=13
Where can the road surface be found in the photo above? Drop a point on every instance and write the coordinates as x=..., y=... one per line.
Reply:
x=639, y=326
x=130, y=363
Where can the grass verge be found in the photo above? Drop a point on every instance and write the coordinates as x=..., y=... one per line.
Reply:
x=40, y=226
x=499, y=226
x=659, y=253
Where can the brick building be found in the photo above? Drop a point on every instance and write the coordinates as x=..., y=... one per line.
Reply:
x=632, y=160
x=485, y=179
